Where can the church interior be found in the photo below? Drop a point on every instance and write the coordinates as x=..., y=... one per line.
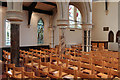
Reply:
x=59, y=39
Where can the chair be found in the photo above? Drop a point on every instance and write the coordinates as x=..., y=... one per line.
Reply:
x=94, y=47
x=55, y=71
x=70, y=73
x=86, y=62
x=75, y=65
x=6, y=56
x=21, y=59
x=101, y=46
x=85, y=76
x=103, y=72
x=18, y=72
x=54, y=60
x=28, y=62
x=63, y=62
x=9, y=70
x=36, y=64
x=30, y=75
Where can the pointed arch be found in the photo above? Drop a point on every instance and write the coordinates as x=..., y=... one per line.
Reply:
x=111, y=36
x=40, y=31
x=118, y=34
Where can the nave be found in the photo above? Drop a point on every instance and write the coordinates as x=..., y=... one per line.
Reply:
x=60, y=40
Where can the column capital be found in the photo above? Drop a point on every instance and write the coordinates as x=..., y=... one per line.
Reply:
x=14, y=11
x=87, y=26
x=62, y=22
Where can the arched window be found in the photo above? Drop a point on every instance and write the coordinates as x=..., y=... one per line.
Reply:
x=111, y=37
x=7, y=28
x=118, y=34
x=40, y=33
x=74, y=17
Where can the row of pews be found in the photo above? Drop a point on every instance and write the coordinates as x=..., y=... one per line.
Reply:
x=73, y=64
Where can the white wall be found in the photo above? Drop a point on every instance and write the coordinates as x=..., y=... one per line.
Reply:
x=71, y=37
x=28, y=36
x=100, y=20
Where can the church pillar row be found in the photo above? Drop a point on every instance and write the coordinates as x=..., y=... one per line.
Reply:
x=14, y=15
x=86, y=41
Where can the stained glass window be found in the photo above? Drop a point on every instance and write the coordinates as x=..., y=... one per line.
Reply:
x=71, y=12
x=40, y=35
x=74, y=17
x=78, y=19
x=8, y=38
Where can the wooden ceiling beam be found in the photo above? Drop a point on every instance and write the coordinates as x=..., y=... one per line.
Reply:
x=50, y=3
x=30, y=11
x=4, y=4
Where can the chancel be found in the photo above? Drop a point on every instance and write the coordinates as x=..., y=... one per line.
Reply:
x=59, y=39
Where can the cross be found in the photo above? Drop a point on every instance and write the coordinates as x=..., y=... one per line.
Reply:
x=106, y=6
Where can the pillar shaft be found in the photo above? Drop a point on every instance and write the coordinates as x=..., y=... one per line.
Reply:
x=61, y=40
x=15, y=44
x=86, y=37
x=62, y=22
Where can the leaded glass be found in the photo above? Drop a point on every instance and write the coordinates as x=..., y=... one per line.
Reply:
x=74, y=17
x=71, y=12
x=40, y=35
x=8, y=38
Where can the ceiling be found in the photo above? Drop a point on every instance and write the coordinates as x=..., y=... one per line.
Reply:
x=48, y=6
x=45, y=5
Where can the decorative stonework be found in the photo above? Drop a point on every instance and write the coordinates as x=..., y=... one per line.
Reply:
x=14, y=11
x=14, y=16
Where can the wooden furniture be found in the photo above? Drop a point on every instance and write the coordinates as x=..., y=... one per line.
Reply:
x=18, y=72
x=9, y=70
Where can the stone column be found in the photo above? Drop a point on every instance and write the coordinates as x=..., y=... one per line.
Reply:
x=86, y=41
x=62, y=23
x=14, y=15
x=62, y=26
x=15, y=44
x=51, y=37
x=51, y=34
